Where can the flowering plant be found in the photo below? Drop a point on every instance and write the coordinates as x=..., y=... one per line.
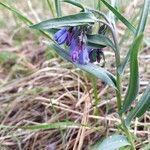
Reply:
x=84, y=47
x=73, y=39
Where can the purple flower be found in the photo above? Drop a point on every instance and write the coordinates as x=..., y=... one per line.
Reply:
x=69, y=38
x=75, y=38
x=84, y=56
x=74, y=50
x=61, y=36
x=74, y=56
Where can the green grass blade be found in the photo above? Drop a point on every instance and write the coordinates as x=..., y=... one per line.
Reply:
x=58, y=8
x=113, y=142
x=143, y=18
x=71, y=20
x=75, y=3
x=95, y=70
x=141, y=107
x=19, y=14
x=50, y=5
x=133, y=87
x=120, y=17
x=140, y=29
x=57, y=125
x=22, y=17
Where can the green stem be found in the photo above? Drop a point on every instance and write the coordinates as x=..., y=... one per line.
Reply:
x=128, y=134
x=50, y=5
x=94, y=82
x=118, y=80
x=58, y=8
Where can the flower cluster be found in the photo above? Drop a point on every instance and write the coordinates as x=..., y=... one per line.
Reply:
x=75, y=38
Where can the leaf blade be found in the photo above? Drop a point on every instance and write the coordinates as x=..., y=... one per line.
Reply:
x=82, y=18
x=56, y=125
x=99, y=40
x=75, y=3
x=133, y=86
x=140, y=29
x=16, y=12
x=120, y=17
x=113, y=142
x=97, y=71
x=141, y=107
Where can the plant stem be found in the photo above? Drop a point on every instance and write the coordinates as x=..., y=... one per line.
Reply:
x=94, y=82
x=50, y=5
x=128, y=134
x=58, y=8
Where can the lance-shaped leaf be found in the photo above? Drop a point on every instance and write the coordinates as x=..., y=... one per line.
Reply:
x=99, y=41
x=140, y=29
x=95, y=70
x=57, y=125
x=141, y=107
x=16, y=12
x=120, y=17
x=133, y=86
x=113, y=142
x=82, y=18
x=75, y=3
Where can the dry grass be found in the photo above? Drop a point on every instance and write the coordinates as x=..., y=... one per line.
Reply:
x=35, y=90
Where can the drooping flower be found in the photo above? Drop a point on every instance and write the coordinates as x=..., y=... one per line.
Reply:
x=69, y=36
x=84, y=57
x=61, y=36
x=75, y=38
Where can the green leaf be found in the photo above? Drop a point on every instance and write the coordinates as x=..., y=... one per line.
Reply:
x=95, y=70
x=113, y=142
x=22, y=17
x=120, y=17
x=143, y=18
x=141, y=107
x=58, y=7
x=133, y=87
x=57, y=125
x=75, y=3
x=146, y=147
x=99, y=41
x=71, y=20
x=140, y=29
x=16, y=12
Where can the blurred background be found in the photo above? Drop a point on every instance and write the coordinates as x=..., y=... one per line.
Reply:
x=37, y=86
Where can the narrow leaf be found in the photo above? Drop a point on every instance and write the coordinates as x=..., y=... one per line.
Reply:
x=50, y=5
x=16, y=12
x=99, y=40
x=58, y=7
x=143, y=18
x=120, y=17
x=95, y=70
x=22, y=17
x=141, y=107
x=140, y=29
x=57, y=125
x=71, y=20
x=75, y=3
x=113, y=142
x=133, y=86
